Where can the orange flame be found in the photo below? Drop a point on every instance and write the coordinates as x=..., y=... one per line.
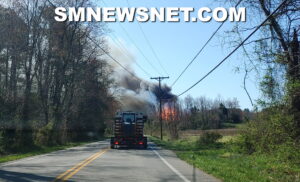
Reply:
x=168, y=114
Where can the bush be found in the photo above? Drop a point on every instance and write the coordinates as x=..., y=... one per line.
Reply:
x=108, y=132
x=209, y=138
x=271, y=129
x=44, y=135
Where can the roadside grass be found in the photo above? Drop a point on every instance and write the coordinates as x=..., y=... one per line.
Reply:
x=232, y=125
x=225, y=161
x=198, y=132
x=38, y=150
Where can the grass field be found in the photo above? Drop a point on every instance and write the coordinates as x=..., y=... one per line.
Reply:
x=228, y=129
x=225, y=132
x=225, y=161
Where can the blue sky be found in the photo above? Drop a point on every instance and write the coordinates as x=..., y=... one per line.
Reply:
x=177, y=43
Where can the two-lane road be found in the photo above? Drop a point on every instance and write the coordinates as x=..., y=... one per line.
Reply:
x=96, y=162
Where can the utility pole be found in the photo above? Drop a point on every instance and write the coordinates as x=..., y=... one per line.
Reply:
x=159, y=79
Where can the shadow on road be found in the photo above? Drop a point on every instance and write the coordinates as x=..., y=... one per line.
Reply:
x=21, y=177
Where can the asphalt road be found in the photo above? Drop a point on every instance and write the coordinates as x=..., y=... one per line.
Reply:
x=95, y=162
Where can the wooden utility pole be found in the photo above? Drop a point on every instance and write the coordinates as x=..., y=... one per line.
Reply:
x=159, y=79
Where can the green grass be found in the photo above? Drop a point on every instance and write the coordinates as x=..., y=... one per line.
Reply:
x=37, y=151
x=232, y=125
x=225, y=161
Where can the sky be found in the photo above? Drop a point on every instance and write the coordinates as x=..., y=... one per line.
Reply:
x=176, y=44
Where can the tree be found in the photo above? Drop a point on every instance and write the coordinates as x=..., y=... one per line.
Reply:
x=223, y=113
x=53, y=79
x=274, y=57
x=277, y=50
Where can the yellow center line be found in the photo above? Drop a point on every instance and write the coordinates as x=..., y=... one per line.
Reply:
x=69, y=173
x=85, y=164
x=77, y=165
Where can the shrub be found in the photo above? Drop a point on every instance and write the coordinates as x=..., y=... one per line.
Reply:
x=272, y=132
x=108, y=132
x=209, y=138
x=44, y=135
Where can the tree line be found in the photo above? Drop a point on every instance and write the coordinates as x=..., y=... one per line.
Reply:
x=199, y=113
x=205, y=113
x=54, y=82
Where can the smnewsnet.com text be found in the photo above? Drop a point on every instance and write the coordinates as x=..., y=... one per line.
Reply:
x=143, y=14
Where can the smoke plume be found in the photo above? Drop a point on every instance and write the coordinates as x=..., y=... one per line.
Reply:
x=135, y=94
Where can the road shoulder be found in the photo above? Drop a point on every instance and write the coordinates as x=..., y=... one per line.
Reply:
x=188, y=171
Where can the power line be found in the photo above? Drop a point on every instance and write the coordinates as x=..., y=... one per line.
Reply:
x=221, y=62
x=139, y=49
x=135, y=45
x=123, y=50
x=198, y=53
x=122, y=66
x=152, y=50
x=150, y=45
x=119, y=42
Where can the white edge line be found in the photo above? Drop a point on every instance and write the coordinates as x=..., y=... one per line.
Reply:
x=170, y=166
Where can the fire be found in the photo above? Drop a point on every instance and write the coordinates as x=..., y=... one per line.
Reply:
x=168, y=114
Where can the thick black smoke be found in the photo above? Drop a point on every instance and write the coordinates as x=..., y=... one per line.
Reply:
x=136, y=103
x=142, y=96
x=135, y=94
x=164, y=93
x=130, y=83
